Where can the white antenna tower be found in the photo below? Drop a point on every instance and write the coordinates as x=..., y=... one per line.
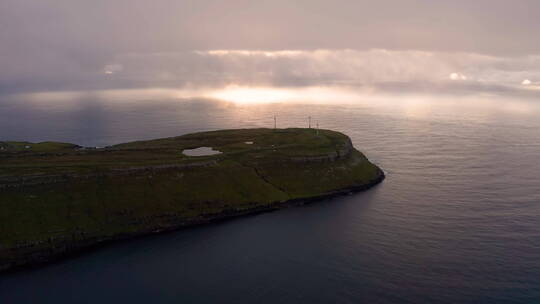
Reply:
x=275, y=122
x=317, y=128
x=309, y=122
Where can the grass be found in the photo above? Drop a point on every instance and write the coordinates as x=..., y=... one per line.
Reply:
x=95, y=193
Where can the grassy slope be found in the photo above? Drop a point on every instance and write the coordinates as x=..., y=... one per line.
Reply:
x=103, y=204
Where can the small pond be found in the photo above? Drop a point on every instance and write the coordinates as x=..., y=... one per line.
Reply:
x=201, y=151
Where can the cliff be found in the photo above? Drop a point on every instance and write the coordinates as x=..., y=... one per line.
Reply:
x=56, y=199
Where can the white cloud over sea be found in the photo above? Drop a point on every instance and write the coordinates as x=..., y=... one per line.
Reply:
x=376, y=69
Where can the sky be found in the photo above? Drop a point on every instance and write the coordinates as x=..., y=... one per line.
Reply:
x=454, y=47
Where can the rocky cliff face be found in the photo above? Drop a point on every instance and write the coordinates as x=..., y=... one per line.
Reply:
x=341, y=152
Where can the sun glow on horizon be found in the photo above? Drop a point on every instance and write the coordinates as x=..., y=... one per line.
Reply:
x=252, y=95
x=258, y=95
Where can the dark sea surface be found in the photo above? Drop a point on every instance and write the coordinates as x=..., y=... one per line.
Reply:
x=456, y=221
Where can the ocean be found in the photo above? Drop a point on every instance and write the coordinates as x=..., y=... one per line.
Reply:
x=455, y=221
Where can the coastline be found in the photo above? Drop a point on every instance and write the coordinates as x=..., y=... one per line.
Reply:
x=39, y=258
x=59, y=200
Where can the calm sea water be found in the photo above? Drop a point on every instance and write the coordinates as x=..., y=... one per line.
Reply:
x=456, y=221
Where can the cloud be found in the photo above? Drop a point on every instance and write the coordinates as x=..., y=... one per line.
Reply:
x=371, y=68
x=457, y=76
x=69, y=45
x=526, y=82
x=114, y=68
x=380, y=69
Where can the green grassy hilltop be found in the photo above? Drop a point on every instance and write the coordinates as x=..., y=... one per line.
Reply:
x=56, y=198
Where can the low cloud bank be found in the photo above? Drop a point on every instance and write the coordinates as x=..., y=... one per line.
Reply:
x=377, y=70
